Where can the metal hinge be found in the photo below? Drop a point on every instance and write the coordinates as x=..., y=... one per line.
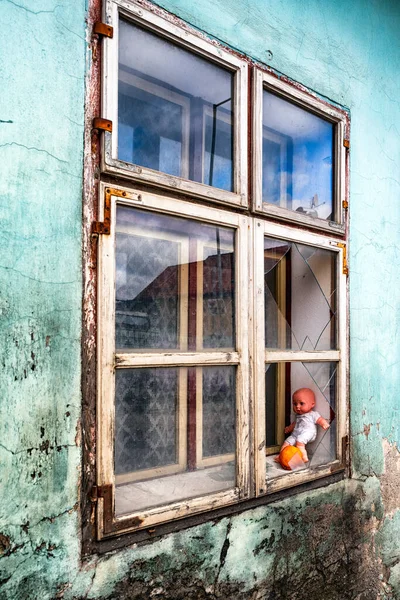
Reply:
x=102, y=124
x=100, y=491
x=104, y=227
x=346, y=144
x=345, y=267
x=103, y=29
x=345, y=204
x=105, y=492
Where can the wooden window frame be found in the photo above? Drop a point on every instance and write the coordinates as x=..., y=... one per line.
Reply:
x=264, y=80
x=109, y=360
x=264, y=356
x=178, y=196
x=250, y=348
x=198, y=45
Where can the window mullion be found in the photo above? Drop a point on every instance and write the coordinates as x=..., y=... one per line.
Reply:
x=161, y=359
x=273, y=356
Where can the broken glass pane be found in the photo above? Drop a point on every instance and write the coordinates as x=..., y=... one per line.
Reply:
x=321, y=378
x=297, y=157
x=299, y=296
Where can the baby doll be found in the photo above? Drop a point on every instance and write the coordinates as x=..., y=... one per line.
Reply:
x=304, y=429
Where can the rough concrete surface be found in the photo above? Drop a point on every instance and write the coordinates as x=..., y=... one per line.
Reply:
x=338, y=542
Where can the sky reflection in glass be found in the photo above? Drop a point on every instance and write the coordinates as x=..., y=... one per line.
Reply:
x=297, y=158
x=175, y=110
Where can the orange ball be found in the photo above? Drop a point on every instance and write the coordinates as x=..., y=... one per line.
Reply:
x=290, y=457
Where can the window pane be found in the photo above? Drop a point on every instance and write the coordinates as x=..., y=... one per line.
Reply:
x=175, y=283
x=218, y=411
x=174, y=109
x=300, y=296
x=297, y=163
x=174, y=434
x=283, y=380
x=146, y=411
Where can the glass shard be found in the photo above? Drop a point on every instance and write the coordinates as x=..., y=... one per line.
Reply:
x=299, y=296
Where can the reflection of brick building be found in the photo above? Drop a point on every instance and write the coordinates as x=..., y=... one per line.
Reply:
x=151, y=320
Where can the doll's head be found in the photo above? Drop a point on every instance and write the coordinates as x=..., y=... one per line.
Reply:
x=303, y=401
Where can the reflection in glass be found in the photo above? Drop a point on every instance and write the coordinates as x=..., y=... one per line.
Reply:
x=174, y=109
x=299, y=296
x=297, y=157
x=174, y=434
x=150, y=130
x=274, y=407
x=218, y=411
x=175, y=283
x=283, y=380
x=146, y=406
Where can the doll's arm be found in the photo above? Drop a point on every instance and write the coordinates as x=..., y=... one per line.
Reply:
x=323, y=423
x=290, y=427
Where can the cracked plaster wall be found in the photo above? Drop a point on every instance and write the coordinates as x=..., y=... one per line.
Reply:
x=334, y=543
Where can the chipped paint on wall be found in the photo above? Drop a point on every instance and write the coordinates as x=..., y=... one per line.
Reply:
x=337, y=542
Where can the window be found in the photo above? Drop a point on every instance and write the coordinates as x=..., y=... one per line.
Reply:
x=299, y=155
x=173, y=376
x=179, y=107
x=212, y=316
x=301, y=343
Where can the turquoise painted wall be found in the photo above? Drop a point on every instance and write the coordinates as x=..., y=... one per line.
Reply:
x=42, y=74
x=335, y=543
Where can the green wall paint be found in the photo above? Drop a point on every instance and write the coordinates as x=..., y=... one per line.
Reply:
x=342, y=539
x=41, y=148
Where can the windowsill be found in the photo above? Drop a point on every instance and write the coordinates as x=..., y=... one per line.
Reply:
x=274, y=469
x=142, y=495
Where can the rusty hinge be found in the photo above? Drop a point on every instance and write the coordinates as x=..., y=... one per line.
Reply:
x=100, y=491
x=346, y=144
x=106, y=493
x=345, y=204
x=103, y=29
x=102, y=124
x=345, y=267
x=104, y=227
